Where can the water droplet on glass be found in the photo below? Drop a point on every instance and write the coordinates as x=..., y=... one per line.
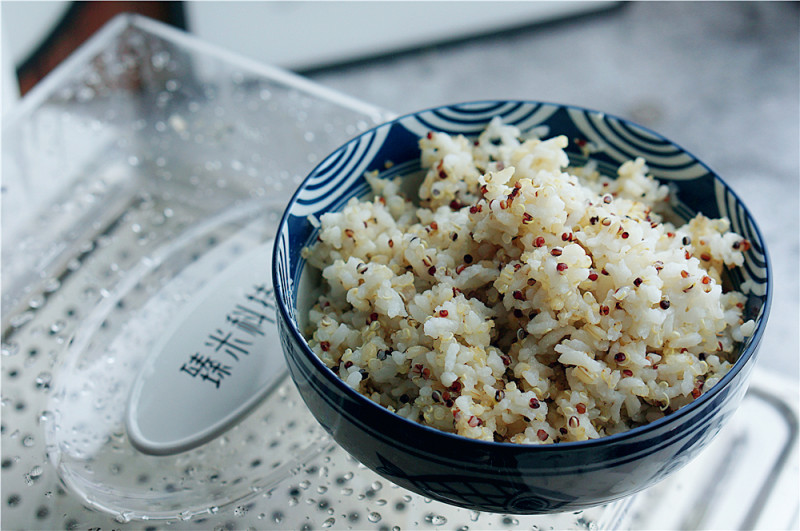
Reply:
x=474, y=515
x=37, y=301
x=22, y=318
x=10, y=348
x=123, y=517
x=43, y=381
x=277, y=517
x=28, y=441
x=322, y=489
x=239, y=511
x=347, y=491
x=160, y=60
x=374, y=517
x=329, y=522
x=85, y=94
x=435, y=519
x=46, y=416
x=51, y=285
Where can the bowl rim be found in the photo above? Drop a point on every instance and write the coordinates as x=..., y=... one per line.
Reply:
x=743, y=360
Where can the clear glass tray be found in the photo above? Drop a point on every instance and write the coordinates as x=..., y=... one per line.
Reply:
x=149, y=152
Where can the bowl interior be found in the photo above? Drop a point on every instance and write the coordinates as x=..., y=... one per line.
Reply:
x=392, y=149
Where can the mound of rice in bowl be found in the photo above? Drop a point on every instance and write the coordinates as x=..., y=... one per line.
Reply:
x=521, y=300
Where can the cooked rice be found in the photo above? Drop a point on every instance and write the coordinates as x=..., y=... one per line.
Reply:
x=521, y=300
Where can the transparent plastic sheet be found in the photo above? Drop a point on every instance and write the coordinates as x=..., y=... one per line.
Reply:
x=148, y=152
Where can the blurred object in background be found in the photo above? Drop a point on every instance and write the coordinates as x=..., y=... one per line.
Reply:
x=296, y=35
x=309, y=35
x=37, y=36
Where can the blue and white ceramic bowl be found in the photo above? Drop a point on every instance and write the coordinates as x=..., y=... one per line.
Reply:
x=504, y=477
